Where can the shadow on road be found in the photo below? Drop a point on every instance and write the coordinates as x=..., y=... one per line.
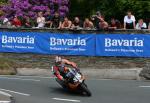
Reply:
x=59, y=90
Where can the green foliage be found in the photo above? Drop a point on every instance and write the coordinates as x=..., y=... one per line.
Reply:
x=3, y=1
x=109, y=8
x=5, y=63
x=7, y=66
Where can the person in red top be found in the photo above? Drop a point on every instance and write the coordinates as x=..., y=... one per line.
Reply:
x=60, y=70
x=16, y=22
x=66, y=24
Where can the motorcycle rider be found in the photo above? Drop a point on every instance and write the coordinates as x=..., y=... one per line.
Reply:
x=60, y=70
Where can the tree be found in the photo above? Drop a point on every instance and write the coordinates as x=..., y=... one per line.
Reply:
x=109, y=8
x=81, y=8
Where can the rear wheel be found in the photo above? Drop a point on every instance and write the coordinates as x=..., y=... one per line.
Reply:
x=85, y=89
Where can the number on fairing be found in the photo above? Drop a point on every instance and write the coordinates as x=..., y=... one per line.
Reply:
x=77, y=77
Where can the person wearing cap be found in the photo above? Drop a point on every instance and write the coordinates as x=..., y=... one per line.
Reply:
x=97, y=19
x=60, y=70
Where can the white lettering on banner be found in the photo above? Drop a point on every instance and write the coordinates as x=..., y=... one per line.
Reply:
x=71, y=42
x=20, y=40
x=123, y=42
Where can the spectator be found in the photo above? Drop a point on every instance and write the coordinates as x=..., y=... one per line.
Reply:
x=114, y=24
x=6, y=23
x=27, y=23
x=77, y=23
x=149, y=26
x=97, y=19
x=129, y=21
x=103, y=24
x=48, y=19
x=56, y=21
x=141, y=24
x=88, y=24
x=66, y=23
x=16, y=22
x=40, y=20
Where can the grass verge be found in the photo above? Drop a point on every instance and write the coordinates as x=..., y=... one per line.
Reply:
x=7, y=67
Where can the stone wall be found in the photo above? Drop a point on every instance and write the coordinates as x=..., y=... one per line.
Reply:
x=45, y=61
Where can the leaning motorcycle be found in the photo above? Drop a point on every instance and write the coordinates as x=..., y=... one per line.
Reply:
x=74, y=81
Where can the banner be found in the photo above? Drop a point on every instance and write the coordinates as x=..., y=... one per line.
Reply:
x=137, y=45
x=47, y=43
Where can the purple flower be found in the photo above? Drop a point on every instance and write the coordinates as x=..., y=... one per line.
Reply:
x=63, y=9
x=31, y=7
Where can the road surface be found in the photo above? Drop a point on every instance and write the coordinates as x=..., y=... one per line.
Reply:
x=46, y=90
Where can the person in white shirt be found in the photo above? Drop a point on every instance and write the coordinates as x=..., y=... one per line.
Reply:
x=129, y=21
x=40, y=20
x=6, y=22
x=141, y=24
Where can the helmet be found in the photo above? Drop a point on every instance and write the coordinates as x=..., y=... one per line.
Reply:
x=58, y=59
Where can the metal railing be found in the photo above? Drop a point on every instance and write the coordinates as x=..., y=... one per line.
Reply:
x=78, y=31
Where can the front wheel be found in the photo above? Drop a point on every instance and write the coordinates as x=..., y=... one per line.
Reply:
x=85, y=89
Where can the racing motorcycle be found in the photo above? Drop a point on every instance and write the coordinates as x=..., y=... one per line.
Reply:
x=74, y=82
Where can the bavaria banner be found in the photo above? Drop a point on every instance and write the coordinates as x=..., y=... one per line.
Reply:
x=137, y=45
x=47, y=43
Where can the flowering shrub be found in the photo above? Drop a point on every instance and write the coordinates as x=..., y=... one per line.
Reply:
x=30, y=8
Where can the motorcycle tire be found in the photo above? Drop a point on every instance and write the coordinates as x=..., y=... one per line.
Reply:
x=85, y=89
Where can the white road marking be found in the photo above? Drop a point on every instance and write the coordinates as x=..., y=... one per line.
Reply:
x=24, y=94
x=144, y=86
x=5, y=101
x=51, y=77
x=37, y=77
x=69, y=100
x=101, y=79
x=5, y=94
x=11, y=78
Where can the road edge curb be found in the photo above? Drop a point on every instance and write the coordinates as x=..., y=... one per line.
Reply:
x=125, y=74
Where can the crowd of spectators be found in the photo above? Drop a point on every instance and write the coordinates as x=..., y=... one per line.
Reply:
x=57, y=22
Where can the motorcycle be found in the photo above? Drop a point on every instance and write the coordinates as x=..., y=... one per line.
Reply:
x=75, y=82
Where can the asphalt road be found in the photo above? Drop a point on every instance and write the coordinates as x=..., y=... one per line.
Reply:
x=46, y=90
